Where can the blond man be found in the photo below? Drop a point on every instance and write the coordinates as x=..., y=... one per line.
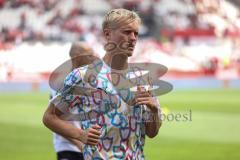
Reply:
x=117, y=131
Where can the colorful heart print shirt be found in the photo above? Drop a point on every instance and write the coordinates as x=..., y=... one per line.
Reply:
x=93, y=95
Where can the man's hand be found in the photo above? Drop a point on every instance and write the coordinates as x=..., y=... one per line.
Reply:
x=90, y=136
x=143, y=97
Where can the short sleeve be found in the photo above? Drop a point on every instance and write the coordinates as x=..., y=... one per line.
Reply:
x=65, y=97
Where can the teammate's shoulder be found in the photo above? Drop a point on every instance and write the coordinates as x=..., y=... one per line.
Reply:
x=75, y=76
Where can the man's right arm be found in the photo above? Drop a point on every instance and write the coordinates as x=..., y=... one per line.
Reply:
x=51, y=120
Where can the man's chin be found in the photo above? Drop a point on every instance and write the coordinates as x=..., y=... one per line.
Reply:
x=129, y=53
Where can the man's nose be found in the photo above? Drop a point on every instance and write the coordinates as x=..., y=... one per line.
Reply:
x=133, y=37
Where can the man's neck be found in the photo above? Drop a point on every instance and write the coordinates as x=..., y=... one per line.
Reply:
x=117, y=62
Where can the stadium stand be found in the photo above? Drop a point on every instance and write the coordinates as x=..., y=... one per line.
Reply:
x=191, y=37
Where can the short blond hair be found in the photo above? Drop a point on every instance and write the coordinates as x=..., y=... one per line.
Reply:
x=116, y=17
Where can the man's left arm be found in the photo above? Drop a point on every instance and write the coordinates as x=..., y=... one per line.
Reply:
x=151, y=117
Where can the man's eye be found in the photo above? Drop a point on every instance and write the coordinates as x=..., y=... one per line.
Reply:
x=127, y=32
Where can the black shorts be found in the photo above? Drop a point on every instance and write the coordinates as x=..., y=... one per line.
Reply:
x=69, y=155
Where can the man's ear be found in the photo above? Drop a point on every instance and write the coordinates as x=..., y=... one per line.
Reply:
x=106, y=33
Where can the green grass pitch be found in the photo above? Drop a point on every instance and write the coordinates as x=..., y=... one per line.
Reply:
x=213, y=133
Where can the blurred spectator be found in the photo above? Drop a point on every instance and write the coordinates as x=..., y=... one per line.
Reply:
x=2, y=3
x=68, y=20
x=57, y=19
